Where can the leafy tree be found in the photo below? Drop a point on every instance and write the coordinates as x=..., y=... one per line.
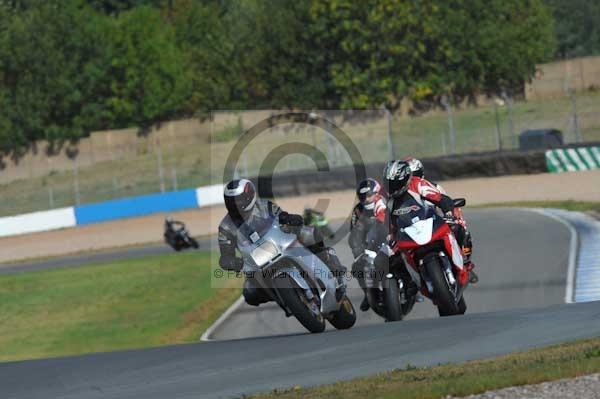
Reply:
x=280, y=63
x=382, y=50
x=577, y=30
x=147, y=70
x=212, y=68
x=52, y=71
x=117, y=6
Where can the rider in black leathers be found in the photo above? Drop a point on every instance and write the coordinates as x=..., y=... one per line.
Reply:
x=243, y=205
x=367, y=230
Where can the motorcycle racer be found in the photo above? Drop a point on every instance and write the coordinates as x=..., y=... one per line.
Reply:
x=369, y=211
x=245, y=208
x=459, y=228
x=399, y=181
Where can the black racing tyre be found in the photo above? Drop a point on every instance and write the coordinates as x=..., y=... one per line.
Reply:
x=194, y=243
x=407, y=307
x=344, y=318
x=391, y=295
x=442, y=295
x=462, y=306
x=290, y=294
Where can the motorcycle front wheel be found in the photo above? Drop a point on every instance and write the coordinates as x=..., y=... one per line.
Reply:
x=302, y=309
x=444, y=298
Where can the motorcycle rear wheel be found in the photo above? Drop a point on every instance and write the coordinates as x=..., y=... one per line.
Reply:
x=391, y=294
x=290, y=294
x=194, y=243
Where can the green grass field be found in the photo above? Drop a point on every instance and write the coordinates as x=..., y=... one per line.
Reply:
x=126, y=304
x=199, y=163
x=547, y=364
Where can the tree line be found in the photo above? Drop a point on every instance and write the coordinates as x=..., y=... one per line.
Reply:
x=69, y=67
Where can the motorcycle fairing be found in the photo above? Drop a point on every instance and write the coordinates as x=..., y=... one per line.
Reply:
x=293, y=259
x=421, y=231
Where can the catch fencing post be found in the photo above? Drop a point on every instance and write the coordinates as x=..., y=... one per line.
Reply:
x=161, y=173
x=390, y=141
x=498, y=132
x=511, y=127
x=115, y=186
x=174, y=177
x=76, y=181
x=244, y=151
x=444, y=149
x=448, y=106
x=50, y=197
x=574, y=115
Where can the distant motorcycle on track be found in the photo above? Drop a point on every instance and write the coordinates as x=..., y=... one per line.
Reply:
x=177, y=236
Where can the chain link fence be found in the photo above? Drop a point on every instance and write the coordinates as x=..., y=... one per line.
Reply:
x=183, y=154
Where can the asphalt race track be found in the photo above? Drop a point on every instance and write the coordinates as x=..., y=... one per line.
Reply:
x=522, y=263
x=521, y=259
x=78, y=260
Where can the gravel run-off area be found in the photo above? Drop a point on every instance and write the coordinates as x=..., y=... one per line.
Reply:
x=587, y=387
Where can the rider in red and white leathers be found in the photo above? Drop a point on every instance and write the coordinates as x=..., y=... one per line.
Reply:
x=459, y=225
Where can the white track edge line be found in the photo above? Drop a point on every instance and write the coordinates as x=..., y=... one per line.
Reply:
x=570, y=290
x=209, y=331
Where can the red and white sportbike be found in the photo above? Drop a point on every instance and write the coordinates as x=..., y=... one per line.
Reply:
x=433, y=257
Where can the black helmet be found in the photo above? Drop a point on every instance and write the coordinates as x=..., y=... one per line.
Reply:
x=240, y=198
x=396, y=176
x=416, y=166
x=367, y=188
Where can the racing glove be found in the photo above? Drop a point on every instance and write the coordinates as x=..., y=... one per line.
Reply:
x=291, y=219
x=446, y=204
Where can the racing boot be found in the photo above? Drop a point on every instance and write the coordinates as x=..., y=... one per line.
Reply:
x=329, y=257
x=410, y=288
x=468, y=263
x=364, y=305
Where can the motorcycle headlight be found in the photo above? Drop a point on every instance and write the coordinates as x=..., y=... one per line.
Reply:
x=264, y=253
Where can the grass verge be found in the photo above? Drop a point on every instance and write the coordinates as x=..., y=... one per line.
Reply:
x=532, y=367
x=118, y=305
x=569, y=205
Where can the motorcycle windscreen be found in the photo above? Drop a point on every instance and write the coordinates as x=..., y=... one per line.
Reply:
x=264, y=253
x=420, y=231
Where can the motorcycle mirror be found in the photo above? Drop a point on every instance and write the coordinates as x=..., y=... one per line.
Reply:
x=460, y=202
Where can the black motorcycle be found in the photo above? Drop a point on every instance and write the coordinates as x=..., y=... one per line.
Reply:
x=177, y=236
x=385, y=291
